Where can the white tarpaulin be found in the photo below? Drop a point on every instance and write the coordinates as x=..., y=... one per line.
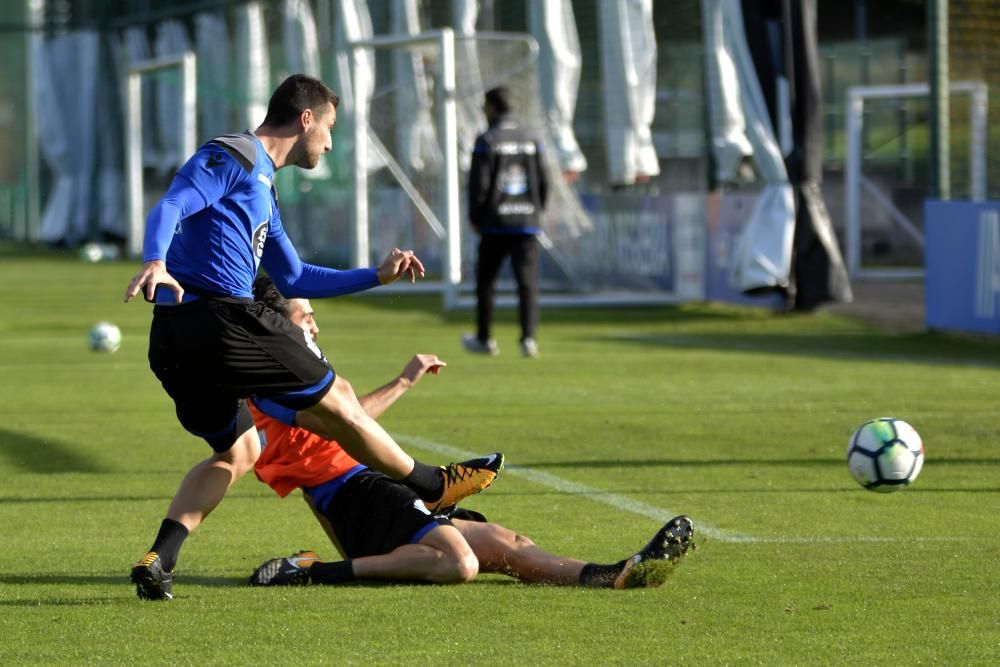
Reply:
x=416, y=143
x=763, y=255
x=468, y=79
x=628, y=69
x=729, y=142
x=301, y=47
x=553, y=25
x=353, y=23
x=171, y=40
x=300, y=39
x=212, y=49
x=65, y=84
x=253, y=67
x=110, y=186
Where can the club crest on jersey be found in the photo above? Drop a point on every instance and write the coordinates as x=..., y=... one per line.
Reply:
x=514, y=180
x=259, y=237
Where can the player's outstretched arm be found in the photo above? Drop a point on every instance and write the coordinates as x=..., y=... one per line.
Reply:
x=297, y=279
x=378, y=401
x=153, y=274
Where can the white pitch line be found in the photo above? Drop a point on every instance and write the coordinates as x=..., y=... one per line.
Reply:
x=566, y=486
x=649, y=511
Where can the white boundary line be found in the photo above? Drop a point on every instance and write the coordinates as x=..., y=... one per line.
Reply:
x=659, y=515
x=565, y=486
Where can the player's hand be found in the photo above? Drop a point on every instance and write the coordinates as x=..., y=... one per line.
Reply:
x=400, y=263
x=420, y=365
x=153, y=274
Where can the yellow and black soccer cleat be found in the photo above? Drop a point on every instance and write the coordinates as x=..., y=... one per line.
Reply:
x=464, y=479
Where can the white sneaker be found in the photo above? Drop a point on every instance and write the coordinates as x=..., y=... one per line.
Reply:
x=529, y=348
x=473, y=344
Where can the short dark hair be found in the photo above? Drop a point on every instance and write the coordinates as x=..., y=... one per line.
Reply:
x=265, y=290
x=296, y=94
x=499, y=99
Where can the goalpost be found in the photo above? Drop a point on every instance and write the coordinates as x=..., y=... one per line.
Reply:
x=856, y=184
x=651, y=252
x=449, y=232
x=184, y=65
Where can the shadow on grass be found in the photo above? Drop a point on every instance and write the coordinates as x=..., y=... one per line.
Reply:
x=38, y=455
x=861, y=342
x=62, y=602
x=78, y=499
x=110, y=580
x=926, y=348
x=117, y=499
x=431, y=304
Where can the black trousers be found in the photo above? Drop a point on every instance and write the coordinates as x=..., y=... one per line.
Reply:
x=523, y=252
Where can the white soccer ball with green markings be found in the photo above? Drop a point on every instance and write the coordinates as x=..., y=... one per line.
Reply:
x=885, y=455
x=105, y=337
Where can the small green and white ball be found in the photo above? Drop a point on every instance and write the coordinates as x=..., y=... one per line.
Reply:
x=105, y=337
x=91, y=252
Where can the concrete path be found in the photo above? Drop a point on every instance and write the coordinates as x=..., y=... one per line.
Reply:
x=895, y=305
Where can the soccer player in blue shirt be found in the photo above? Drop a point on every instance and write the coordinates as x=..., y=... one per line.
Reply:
x=212, y=346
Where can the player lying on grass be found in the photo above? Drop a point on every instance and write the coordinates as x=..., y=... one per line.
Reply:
x=383, y=529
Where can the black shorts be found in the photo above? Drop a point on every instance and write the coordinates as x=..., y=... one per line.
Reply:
x=211, y=354
x=372, y=514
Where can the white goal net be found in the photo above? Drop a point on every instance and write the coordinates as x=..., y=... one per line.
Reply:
x=420, y=125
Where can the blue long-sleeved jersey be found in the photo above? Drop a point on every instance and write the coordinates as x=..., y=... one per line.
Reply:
x=219, y=222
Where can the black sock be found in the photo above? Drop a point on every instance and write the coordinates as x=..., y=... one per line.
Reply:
x=339, y=572
x=600, y=576
x=168, y=542
x=426, y=480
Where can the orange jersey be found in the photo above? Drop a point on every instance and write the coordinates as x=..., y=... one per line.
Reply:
x=290, y=456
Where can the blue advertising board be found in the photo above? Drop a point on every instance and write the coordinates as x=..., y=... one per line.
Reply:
x=962, y=250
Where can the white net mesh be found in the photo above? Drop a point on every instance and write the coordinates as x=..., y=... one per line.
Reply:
x=632, y=250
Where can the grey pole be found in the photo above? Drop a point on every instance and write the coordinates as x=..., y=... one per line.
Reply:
x=937, y=55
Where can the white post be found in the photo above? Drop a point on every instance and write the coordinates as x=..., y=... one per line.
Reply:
x=133, y=134
x=133, y=161
x=32, y=220
x=360, y=251
x=977, y=149
x=448, y=119
x=852, y=186
x=189, y=100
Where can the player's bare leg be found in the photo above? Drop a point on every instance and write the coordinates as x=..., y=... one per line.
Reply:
x=206, y=483
x=339, y=416
x=503, y=551
x=200, y=492
x=441, y=557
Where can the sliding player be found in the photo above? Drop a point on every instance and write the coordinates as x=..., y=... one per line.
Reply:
x=385, y=531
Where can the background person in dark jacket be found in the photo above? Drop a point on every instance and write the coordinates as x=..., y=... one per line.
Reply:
x=507, y=192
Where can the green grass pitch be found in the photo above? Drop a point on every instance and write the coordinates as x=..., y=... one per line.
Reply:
x=736, y=417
